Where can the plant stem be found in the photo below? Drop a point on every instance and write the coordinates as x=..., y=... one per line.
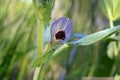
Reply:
x=39, y=30
x=115, y=45
x=39, y=41
x=115, y=51
x=37, y=73
x=40, y=38
x=111, y=24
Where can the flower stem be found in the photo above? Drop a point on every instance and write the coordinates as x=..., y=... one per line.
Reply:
x=111, y=24
x=40, y=38
x=39, y=30
x=115, y=47
x=37, y=73
x=39, y=41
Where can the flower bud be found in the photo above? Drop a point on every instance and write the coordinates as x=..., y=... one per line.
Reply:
x=61, y=29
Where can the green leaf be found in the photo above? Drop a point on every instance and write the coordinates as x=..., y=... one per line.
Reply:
x=92, y=38
x=48, y=56
x=44, y=8
x=38, y=60
x=106, y=7
x=111, y=50
x=110, y=8
x=113, y=38
x=116, y=9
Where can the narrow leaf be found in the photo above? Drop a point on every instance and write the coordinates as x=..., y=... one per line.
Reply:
x=46, y=57
x=113, y=38
x=92, y=38
x=111, y=50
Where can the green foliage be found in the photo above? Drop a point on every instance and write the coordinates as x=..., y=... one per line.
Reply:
x=104, y=65
x=110, y=8
x=111, y=50
x=17, y=32
x=63, y=61
x=44, y=8
x=90, y=39
x=87, y=40
x=48, y=56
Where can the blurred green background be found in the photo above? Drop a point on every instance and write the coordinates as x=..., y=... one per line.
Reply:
x=18, y=42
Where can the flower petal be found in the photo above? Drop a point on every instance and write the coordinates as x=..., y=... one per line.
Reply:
x=68, y=28
x=61, y=25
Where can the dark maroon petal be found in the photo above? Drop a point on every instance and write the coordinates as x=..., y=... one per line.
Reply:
x=60, y=35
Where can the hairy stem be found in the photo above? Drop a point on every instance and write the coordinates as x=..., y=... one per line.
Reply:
x=39, y=41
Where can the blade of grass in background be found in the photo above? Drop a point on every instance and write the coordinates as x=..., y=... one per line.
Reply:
x=17, y=38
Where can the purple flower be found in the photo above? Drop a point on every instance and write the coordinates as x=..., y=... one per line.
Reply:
x=61, y=29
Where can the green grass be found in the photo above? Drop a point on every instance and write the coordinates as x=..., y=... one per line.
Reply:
x=19, y=44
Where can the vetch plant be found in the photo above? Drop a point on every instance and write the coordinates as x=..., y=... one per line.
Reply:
x=60, y=32
x=81, y=40
x=43, y=11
